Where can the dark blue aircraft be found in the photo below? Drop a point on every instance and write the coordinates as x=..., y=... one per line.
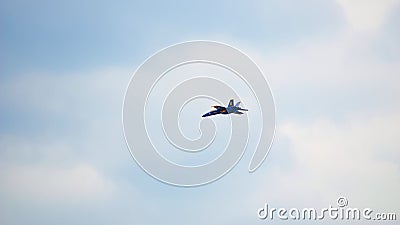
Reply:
x=231, y=108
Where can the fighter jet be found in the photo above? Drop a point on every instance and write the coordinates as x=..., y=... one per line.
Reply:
x=231, y=108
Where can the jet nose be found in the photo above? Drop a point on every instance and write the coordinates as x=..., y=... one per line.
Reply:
x=207, y=114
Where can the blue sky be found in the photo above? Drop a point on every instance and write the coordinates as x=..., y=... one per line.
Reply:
x=332, y=66
x=48, y=34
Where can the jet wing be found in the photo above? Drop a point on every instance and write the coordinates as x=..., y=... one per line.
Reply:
x=211, y=113
x=237, y=112
x=218, y=107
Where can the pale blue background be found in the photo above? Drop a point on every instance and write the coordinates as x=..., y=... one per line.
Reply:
x=333, y=67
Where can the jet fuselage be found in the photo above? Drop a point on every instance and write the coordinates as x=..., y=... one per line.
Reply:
x=231, y=108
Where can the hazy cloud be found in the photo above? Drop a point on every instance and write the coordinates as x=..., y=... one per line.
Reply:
x=367, y=15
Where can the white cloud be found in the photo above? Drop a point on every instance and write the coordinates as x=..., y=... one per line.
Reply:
x=345, y=60
x=62, y=160
x=357, y=158
x=64, y=93
x=54, y=184
x=365, y=15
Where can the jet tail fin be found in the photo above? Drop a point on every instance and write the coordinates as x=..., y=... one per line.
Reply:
x=237, y=104
x=230, y=102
